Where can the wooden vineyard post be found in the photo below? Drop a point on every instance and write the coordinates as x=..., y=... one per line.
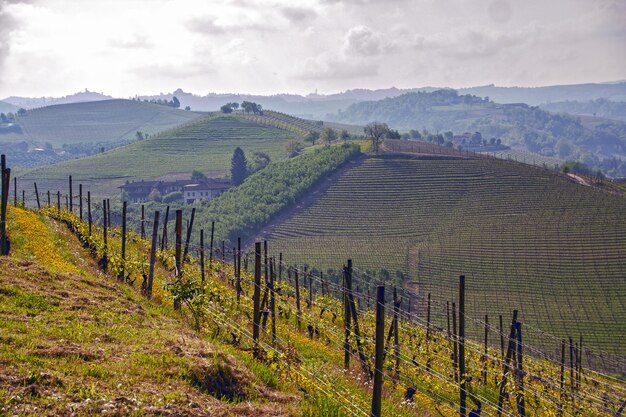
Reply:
x=462, y=376
x=178, y=251
x=428, y=335
x=202, y=256
x=37, y=196
x=501, y=337
x=80, y=202
x=6, y=181
x=59, y=203
x=143, y=221
x=579, y=362
x=164, y=235
x=346, y=320
x=519, y=373
x=352, y=310
x=280, y=266
x=49, y=199
x=108, y=205
x=298, y=310
x=310, y=292
x=571, y=365
x=224, y=253
x=396, y=335
x=121, y=275
x=211, y=245
x=485, y=351
x=153, y=248
x=89, y=210
x=257, y=298
x=322, y=283
x=455, y=345
x=562, y=385
x=238, y=269
x=272, y=301
x=67, y=202
x=71, y=197
x=23, y=199
x=14, y=191
x=506, y=366
x=448, y=318
x=104, y=235
x=188, y=239
x=380, y=350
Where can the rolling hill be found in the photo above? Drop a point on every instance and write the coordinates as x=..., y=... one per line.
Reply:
x=7, y=107
x=525, y=237
x=205, y=144
x=99, y=121
x=599, y=143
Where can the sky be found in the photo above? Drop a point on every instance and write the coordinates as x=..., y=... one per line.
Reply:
x=135, y=47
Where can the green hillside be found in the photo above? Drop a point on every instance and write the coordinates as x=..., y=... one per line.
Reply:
x=99, y=121
x=596, y=143
x=525, y=238
x=206, y=145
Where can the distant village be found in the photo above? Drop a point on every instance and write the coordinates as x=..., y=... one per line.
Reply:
x=179, y=191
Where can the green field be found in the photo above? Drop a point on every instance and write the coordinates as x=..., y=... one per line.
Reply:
x=98, y=121
x=524, y=237
x=206, y=145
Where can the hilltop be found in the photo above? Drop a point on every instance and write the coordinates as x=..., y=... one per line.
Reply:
x=599, y=143
x=205, y=144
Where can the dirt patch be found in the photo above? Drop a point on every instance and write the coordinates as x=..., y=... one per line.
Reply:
x=67, y=351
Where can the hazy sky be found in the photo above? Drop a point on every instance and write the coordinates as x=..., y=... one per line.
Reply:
x=123, y=48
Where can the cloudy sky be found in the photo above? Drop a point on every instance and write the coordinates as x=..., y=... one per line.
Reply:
x=128, y=47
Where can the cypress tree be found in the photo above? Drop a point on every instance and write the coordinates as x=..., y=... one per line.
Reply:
x=239, y=167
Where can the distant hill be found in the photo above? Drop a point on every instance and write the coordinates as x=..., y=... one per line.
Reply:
x=98, y=121
x=33, y=102
x=539, y=95
x=595, y=142
x=7, y=107
x=205, y=144
x=598, y=108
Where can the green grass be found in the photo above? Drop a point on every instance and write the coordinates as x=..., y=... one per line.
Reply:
x=525, y=238
x=98, y=121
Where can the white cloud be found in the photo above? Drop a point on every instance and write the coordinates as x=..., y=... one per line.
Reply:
x=264, y=46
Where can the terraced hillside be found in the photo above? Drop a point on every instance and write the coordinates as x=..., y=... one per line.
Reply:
x=99, y=121
x=524, y=237
x=206, y=145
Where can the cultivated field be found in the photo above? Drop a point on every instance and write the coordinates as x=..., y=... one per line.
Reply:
x=524, y=237
x=99, y=121
x=206, y=145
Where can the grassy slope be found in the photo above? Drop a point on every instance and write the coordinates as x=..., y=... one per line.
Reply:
x=74, y=341
x=525, y=238
x=98, y=121
x=205, y=145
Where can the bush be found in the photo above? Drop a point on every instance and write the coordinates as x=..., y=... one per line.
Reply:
x=172, y=197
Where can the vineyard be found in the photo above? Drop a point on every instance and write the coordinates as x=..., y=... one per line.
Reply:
x=101, y=121
x=205, y=144
x=525, y=237
x=288, y=355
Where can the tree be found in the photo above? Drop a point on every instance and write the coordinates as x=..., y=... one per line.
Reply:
x=375, y=132
x=258, y=161
x=329, y=135
x=392, y=134
x=197, y=176
x=448, y=135
x=21, y=112
x=250, y=107
x=226, y=109
x=155, y=195
x=344, y=135
x=293, y=148
x=187, y=108
x=175, y=102
x=312, y=137
x=238, y=167
x=139, y=135
x=415, y=134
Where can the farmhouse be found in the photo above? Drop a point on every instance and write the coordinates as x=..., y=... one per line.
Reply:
x=191, y=190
